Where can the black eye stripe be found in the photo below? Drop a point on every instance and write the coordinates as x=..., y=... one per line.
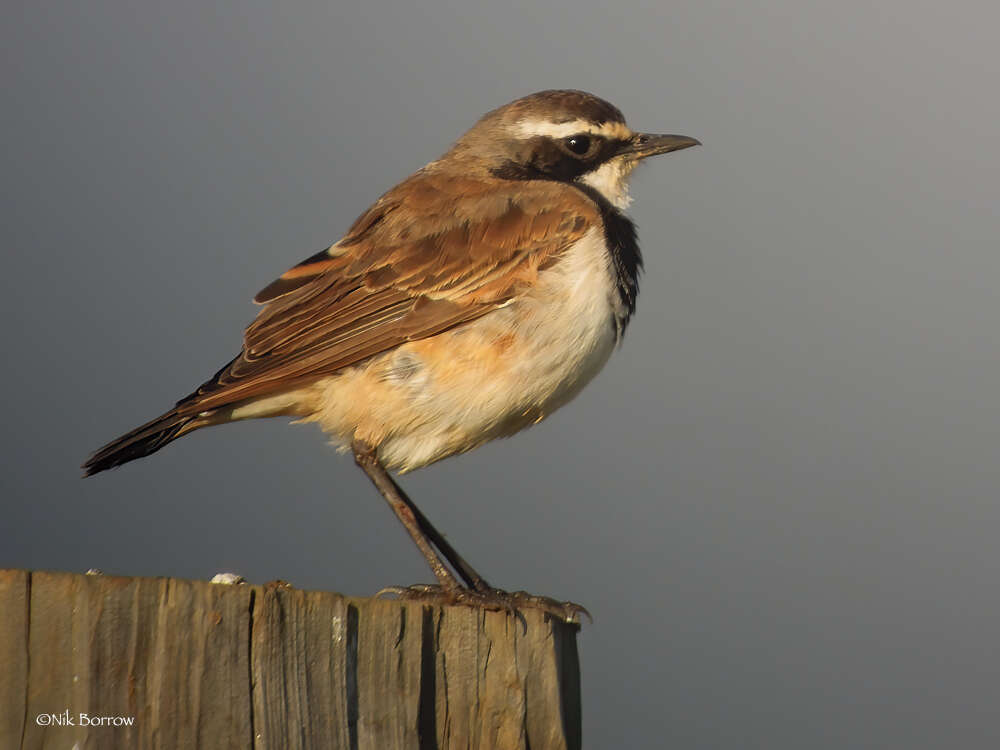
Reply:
x=551, y=158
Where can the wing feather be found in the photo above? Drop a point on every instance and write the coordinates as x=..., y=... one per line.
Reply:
x=409, y=268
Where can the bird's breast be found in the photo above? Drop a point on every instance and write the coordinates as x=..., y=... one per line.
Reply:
x=566, y=325
x=446, y=394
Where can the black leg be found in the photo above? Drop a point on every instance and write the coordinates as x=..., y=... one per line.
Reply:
x=403, y=507
x=448, y=591
x=472, y=579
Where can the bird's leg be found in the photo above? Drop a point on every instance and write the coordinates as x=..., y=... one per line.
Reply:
x=367, y=458
x=472, y=579
x=448, y=590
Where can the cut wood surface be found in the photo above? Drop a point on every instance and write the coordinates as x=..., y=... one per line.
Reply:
x=109, y=662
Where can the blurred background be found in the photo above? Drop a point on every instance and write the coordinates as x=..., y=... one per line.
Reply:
x=779, y=500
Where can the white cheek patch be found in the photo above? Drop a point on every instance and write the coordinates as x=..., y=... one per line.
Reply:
x=611, y=181
x=546, y=128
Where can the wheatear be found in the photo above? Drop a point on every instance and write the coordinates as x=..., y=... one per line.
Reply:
x=471, y=301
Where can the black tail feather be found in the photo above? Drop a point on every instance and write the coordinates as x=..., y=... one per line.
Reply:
x=141, y=441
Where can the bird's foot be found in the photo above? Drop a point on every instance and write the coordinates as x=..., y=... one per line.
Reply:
x=492, y=599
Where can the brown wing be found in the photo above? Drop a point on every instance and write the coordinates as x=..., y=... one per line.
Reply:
x=410, y=267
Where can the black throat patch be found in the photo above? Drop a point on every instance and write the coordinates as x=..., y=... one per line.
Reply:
x=626, y=258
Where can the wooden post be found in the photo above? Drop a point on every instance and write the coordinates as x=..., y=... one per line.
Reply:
x=108, y=662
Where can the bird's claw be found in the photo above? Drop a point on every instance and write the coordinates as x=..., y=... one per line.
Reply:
x=492, y=599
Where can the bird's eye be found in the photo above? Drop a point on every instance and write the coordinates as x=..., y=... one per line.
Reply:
x=578, y=144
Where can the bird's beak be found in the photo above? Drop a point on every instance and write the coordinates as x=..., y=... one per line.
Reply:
x=642, y=145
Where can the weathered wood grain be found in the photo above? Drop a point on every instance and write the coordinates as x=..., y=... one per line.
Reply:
x=172, y=654
x=201, y=665
x=299, y=648
x=13, y=655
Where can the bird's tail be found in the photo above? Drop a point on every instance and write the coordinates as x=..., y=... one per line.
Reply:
x=142, y=441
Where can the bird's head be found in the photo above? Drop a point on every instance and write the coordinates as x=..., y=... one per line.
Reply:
x=562, y=135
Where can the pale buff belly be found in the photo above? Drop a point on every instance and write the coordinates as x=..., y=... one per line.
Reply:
x=447, y=394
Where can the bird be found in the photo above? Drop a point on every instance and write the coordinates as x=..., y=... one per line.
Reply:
x=469, y=302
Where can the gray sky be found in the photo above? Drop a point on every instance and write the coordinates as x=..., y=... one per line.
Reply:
x=779, y=500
